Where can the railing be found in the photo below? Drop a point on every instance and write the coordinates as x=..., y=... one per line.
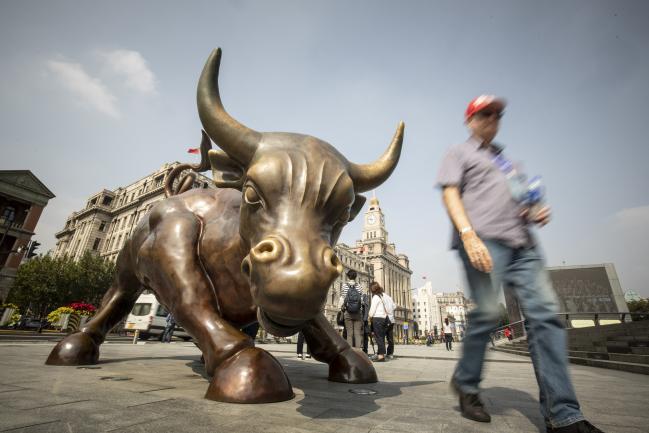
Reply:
x=582, y=320
x=4, y=223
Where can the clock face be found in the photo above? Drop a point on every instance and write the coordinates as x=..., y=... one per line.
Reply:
x=371, y=219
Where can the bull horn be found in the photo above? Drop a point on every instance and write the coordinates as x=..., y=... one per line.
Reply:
x=369, y=176
x=238, y=141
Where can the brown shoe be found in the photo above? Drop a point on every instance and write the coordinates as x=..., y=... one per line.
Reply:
x=470, y=405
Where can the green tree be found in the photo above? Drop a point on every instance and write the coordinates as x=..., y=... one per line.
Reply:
x=45, y=283
x=639, y=306
x=94, y=278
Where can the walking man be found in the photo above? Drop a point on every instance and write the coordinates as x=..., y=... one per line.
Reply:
x=448, y=334
x=300, y=346
x=169, y=329
x=351, y=300
x=485, y=199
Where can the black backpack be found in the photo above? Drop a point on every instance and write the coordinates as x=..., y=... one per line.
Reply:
x=353, y=300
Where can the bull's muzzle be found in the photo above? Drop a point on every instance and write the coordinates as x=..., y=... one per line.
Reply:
x=289, y=280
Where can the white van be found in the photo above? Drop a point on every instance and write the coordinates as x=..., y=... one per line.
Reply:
x=149, y=316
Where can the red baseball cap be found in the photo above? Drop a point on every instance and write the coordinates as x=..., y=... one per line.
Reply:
x=482, y=102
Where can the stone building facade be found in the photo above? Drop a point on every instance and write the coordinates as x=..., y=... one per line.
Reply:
x=109, y=217
x=430, y=308
x=22, y=200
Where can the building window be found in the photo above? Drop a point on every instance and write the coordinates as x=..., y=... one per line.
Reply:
x=8, y=214
x=95, y=246
x=102, y=226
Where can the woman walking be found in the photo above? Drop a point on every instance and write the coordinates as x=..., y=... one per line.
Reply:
x=381, y=309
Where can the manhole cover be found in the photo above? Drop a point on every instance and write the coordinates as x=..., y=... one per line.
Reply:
x=88, y=368
x=115, y=378
x=361, y=391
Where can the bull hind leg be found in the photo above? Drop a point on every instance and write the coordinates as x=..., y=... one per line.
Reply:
x=240, y=372
x=346, y=364
x=82, y=347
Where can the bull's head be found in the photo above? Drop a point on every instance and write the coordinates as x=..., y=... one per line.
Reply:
x=298, y=193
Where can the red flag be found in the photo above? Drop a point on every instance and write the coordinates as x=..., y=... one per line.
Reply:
x=194, y=150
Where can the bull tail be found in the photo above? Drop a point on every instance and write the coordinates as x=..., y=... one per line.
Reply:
x=187, y=180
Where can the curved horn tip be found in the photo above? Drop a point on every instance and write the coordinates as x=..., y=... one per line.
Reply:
x=401, y=127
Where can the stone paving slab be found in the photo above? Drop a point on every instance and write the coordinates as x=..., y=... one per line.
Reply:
x=166, y=384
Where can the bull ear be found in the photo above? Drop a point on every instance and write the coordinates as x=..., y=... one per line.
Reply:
x=359, y=202
x=226, y=172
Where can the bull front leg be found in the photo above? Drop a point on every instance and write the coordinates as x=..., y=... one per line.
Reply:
x=346, y=364
x=82, y=347
x=241, y=373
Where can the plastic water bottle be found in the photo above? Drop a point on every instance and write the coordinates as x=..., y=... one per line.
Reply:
x=535, y=196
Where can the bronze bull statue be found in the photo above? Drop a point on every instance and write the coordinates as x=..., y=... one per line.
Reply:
x=257, y=249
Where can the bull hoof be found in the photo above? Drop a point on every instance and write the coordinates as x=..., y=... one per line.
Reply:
x=352, y=366
x=75, y=349
x=252, y=375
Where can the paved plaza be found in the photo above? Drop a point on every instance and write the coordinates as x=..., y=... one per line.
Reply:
x=159, y=388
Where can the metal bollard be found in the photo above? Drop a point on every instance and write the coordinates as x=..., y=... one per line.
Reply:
x=136, y=336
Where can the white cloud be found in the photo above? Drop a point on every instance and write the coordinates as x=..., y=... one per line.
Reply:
x=132, y=66
x=635, y=220
x=89, y=89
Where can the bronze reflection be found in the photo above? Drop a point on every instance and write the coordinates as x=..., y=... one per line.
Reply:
x=259, y=248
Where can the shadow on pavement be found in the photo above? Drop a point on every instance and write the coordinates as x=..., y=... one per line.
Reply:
x=142, y=358
x=507, y=398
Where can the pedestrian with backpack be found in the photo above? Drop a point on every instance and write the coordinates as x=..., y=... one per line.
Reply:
x=351, y=300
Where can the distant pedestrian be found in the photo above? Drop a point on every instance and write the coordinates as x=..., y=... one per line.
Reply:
x=300, y=346
x=381, y=309
x=169, y=329
x=351, y=303
x=508, y=333
x=448, y=334
x=367, y=330
x=429, y=339
x=389, y=333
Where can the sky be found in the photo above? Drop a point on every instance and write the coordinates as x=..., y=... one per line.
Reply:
x=96, y=95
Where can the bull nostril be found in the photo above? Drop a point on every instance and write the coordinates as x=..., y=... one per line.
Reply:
x=332, y=260
x=266, y=250
x=245, y=267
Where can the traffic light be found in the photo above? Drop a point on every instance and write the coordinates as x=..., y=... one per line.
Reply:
x=32, y=248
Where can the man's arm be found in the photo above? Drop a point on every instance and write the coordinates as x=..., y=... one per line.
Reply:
x=474, y=247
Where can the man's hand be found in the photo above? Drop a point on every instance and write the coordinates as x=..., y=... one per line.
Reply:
x=477, y=252
x=540, y=217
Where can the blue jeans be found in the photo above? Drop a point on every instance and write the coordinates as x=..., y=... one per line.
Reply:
x=522, y=269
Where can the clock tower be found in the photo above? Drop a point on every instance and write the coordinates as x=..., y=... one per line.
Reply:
x=374, y=225
x=390, y=269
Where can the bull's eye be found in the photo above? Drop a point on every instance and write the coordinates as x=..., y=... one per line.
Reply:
x=251, y=196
